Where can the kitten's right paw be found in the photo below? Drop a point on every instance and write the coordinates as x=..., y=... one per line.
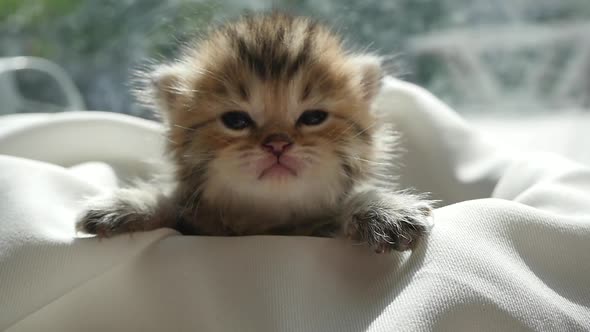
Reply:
x=127, y=210
x=104, y=222
x=109, y=218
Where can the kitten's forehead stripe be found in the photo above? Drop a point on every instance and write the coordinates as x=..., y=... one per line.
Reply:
x=243, y=92
x=301, y=58
x=274, y=48
x=306, y=92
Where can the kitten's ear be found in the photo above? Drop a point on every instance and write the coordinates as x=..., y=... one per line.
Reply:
x=167, y=86
x=371, y=73
x=159, y=87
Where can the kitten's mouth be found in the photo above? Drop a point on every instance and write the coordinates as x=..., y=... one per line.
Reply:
x=277, y=170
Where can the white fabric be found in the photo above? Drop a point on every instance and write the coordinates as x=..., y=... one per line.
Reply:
x=561, y=131
x=510, y=250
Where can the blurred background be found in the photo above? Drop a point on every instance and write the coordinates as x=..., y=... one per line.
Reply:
x=491, y=60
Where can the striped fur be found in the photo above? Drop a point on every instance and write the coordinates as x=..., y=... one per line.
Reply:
x=274, y=67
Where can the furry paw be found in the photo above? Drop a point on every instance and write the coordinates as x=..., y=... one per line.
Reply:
x=107, y=222
x=123, y=213
x=387, y=224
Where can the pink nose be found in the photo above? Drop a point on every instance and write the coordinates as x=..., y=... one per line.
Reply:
x=277, y=144
x=277, y=147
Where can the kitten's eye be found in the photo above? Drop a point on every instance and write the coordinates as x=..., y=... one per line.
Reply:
x=312, y=117
x=236, y=120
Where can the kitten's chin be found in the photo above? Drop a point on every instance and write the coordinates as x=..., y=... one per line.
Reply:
x=277, y=194
x=275, y=188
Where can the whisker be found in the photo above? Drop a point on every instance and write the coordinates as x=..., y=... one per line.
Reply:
x=365, y=130
x=370, y=161
x=183, y=127
x=170, y=140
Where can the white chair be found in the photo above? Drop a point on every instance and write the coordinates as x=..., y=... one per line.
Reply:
x=463, y=50
x=12, y=99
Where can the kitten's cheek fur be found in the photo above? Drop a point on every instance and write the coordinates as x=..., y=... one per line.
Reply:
x=387, y=221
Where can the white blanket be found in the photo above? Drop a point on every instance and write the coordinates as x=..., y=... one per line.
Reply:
x=510, y=249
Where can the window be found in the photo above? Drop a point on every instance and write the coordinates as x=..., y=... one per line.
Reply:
x=480, y=56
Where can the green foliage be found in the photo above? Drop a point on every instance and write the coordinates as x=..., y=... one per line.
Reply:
x=100, y=42
x=35, y=12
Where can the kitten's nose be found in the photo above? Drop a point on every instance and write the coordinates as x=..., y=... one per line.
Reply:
x=277, y=144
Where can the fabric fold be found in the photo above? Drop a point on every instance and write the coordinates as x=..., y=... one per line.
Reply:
x=509, y=249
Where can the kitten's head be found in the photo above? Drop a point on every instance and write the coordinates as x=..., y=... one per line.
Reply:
x=271, y=112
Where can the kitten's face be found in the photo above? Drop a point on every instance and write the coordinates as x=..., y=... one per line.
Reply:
x=285, y=130
x=277, y=146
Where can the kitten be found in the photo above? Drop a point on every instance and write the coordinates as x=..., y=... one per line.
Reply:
x=270, y=131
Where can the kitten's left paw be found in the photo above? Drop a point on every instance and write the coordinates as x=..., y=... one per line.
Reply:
x=385, y=227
